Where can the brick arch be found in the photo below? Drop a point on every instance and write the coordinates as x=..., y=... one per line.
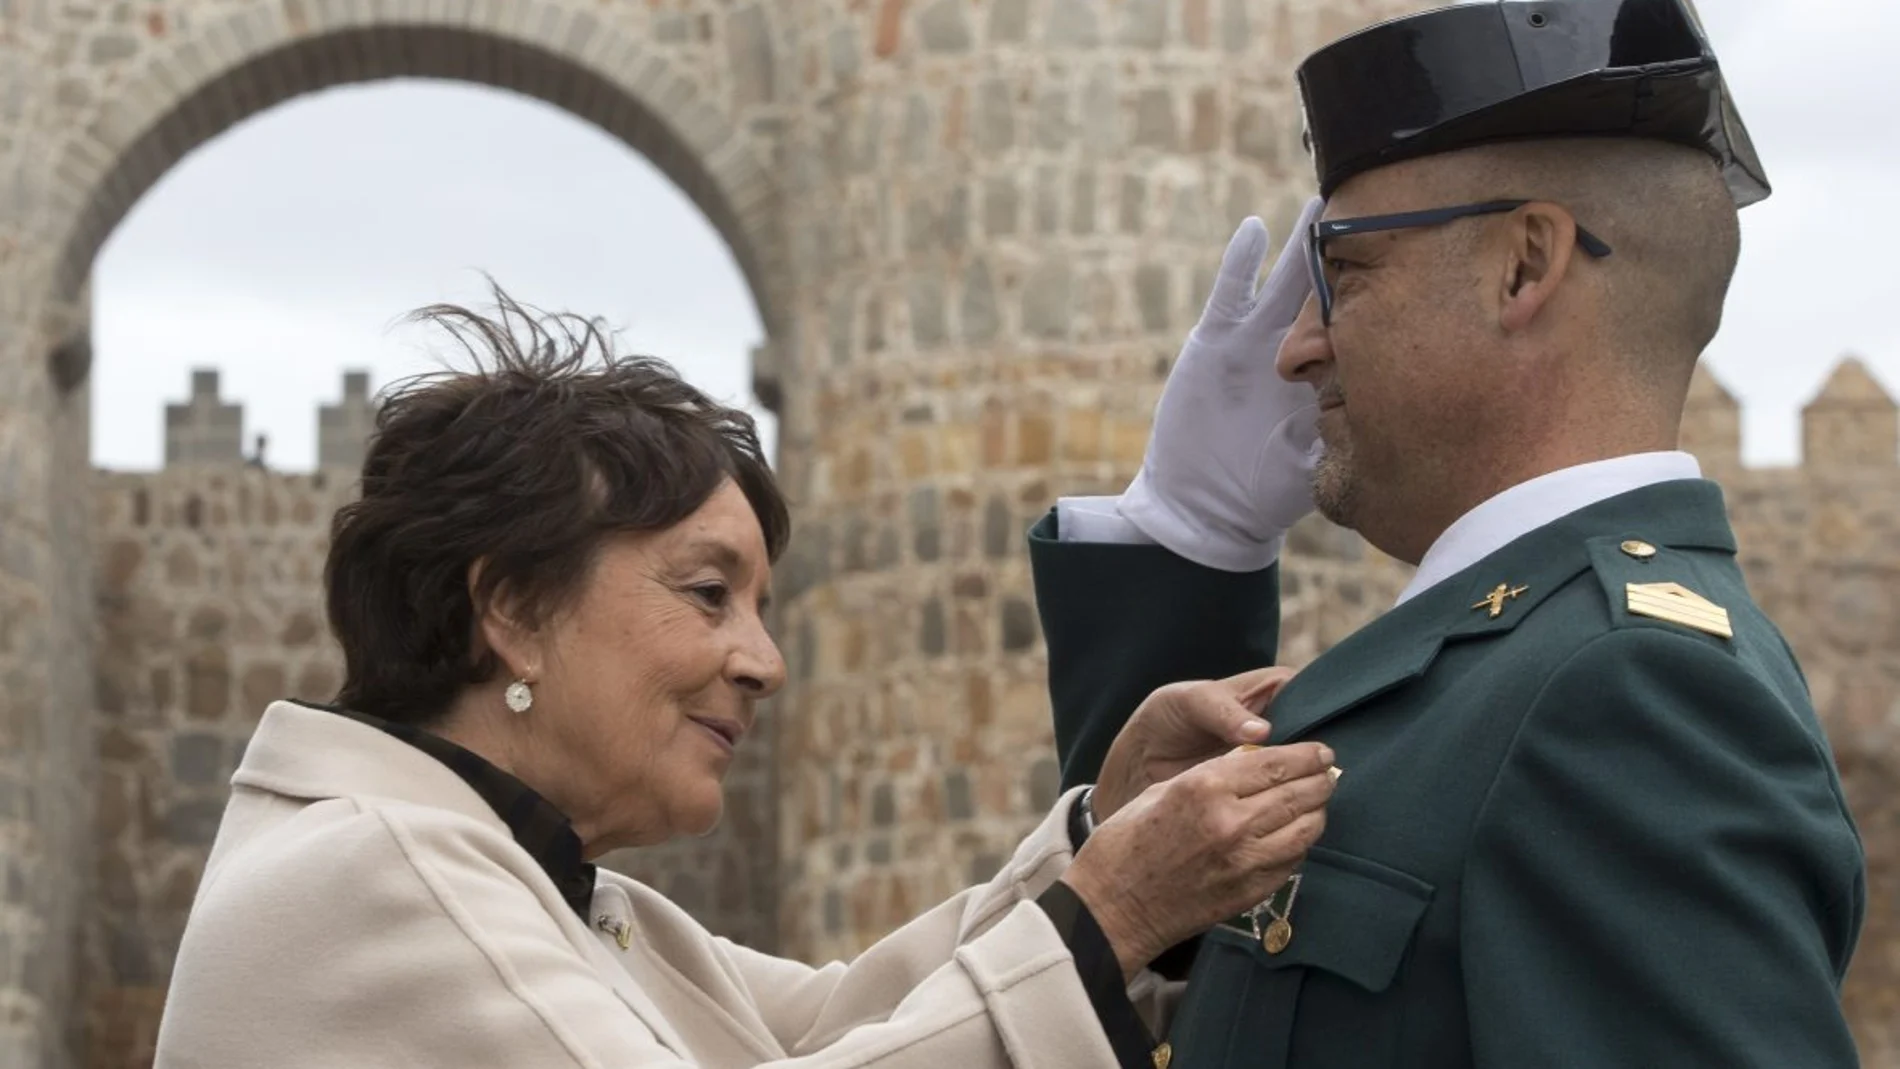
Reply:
x=219, y=73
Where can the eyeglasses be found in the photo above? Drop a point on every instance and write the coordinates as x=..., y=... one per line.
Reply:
x=1323, y=231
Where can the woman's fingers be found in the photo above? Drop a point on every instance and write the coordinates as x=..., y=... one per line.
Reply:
x=1286, y=804
x=1250, y=769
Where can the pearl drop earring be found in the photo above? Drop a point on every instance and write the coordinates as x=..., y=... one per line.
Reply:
x=519, y=696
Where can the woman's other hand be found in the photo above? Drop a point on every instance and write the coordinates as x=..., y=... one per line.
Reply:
x=1208, y=844
x=1181, y=725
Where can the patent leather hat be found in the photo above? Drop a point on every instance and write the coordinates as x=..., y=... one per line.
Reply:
x=1474, y=74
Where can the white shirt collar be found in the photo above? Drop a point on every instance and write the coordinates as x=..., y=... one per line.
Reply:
x=1527, y=506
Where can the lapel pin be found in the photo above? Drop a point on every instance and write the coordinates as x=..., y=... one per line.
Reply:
x=1496, y=599
x=620, y=930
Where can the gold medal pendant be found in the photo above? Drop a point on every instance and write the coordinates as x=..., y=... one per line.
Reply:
x=1277, y=936
x=1278, y=931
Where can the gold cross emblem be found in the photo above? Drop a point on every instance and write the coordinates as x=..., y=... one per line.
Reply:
x=1496, y=599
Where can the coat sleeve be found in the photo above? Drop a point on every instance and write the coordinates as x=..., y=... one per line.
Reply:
x=1121, y=620
x=393, y=942
x=991, y=941
x=1664, y=872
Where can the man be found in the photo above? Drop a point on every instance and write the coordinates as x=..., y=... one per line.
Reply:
x=1588, y=816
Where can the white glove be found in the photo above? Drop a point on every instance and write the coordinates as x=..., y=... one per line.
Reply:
x=1231, y=455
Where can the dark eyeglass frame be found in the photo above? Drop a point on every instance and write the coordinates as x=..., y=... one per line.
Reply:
x=1326, y=229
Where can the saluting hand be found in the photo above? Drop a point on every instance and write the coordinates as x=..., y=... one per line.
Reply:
x=1231, y=454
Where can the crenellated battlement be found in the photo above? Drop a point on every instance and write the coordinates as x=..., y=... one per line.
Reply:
x=1852, y=424
x=206, y=430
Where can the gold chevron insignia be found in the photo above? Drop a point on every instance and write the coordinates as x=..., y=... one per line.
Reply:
x=1678, y=605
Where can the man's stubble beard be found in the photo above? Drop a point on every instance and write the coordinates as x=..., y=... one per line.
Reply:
x=1334, y=488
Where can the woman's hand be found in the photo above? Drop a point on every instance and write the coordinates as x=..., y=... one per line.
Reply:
x=1208, y=844
x=1180, y=726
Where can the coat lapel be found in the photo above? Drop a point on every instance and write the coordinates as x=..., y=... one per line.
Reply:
x=1401, y=645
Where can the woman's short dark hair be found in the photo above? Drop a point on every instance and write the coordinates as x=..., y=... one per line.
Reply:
x=524, y=464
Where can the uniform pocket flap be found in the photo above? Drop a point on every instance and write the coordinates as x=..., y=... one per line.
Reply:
x=1353, y=917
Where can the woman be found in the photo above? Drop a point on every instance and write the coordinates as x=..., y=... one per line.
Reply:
x=549, y=600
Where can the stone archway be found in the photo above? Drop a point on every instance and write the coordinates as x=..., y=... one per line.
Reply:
x=113, y=99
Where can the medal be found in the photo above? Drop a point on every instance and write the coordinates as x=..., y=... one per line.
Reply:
x=1279, y=934
x=1279, y=929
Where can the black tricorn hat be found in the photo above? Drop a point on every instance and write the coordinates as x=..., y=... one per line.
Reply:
x=1510, y=70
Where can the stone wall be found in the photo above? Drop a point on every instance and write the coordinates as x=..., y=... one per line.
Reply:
x=210, y=606
x=1012, y=209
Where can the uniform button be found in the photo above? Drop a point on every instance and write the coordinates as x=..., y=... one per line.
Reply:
x=1639, y=549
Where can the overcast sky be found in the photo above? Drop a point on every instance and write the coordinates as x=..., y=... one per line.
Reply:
x=283, y=251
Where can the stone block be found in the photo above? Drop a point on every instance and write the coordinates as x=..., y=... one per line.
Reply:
x=845, y=50
x=1236, y=33
x=1009, y=22
x=1144, y=23
x=1132, y=203
x=942, y=26
x=207, y=683
x=1045, y=785
x=194, y=822
x=958, y=799
x=112, y=47
x=1035, y=439
x=1257, y=134
x=301, y=630
x=1072, y=24
x=918, y=130
x=928, y=326
x=890, y=28
x=261, y=685
x=1053, y=128
x=1082, y=203
x=995, y=115
x=934, y=639
x=926, y=519
x=1153, y=298
x=1048, y=206
x=980, y=318
x=1048, y=299
x=670, y=28
x=1154, y=119
x=999, y=528
x=750, y=56
x=1001, y=205
x=1101, y=114
x=1020, y=627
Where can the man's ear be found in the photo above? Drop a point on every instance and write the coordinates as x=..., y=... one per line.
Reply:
x=502, y=627
x=1542, y=242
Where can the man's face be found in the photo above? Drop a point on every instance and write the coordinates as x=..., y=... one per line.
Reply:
x=1400, y=371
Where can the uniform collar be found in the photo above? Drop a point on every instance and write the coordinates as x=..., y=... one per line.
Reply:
x=536, y=825
x=1402, y=644
x=1527, y=506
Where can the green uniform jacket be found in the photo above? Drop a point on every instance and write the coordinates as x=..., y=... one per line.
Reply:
x=1567, y=835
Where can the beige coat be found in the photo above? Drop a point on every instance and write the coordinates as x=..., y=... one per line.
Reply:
x=363, y=907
